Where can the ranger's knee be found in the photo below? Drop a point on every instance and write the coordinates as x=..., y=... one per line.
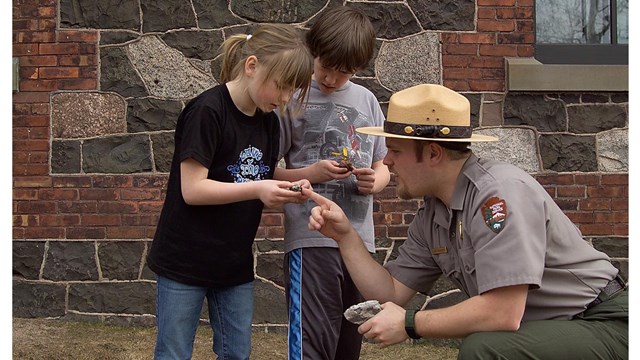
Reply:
x=478, y=346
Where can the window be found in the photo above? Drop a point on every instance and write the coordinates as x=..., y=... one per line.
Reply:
x=582, y=31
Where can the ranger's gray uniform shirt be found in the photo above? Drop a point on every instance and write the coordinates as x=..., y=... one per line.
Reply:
x=503, y=229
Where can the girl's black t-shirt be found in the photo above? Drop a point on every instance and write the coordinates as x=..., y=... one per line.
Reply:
x=211, y=245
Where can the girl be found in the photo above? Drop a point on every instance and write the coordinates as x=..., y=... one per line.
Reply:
x=226, y=150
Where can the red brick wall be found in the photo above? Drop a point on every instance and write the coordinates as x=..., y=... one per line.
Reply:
x=597, y=203
x=127, y=207
x=475, y=61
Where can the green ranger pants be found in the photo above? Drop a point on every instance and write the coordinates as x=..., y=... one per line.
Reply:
x=601, y=332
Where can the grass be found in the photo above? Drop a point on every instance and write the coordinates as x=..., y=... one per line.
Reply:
x=43, y=339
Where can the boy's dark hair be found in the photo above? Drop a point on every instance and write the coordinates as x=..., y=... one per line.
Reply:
x=342, y=38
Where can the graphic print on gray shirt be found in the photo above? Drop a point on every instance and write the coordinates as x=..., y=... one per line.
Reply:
x=326, y=131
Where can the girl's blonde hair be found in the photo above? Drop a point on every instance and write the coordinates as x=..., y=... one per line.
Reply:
x=279, y=48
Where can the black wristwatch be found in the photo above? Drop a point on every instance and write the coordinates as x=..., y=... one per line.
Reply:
x=409, y=324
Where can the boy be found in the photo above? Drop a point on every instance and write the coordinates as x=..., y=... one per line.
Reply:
x=322, y=146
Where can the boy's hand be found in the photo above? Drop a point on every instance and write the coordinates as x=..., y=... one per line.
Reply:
x=365, y=179
x=325, y=170
x=328, y=218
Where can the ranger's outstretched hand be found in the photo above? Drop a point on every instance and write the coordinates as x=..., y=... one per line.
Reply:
x=328, y=218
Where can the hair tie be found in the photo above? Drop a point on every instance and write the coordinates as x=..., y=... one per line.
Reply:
x=248, y=37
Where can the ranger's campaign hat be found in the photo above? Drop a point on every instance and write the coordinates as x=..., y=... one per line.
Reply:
x=428, y=112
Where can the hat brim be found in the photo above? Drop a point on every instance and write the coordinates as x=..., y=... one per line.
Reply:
x=378, y=131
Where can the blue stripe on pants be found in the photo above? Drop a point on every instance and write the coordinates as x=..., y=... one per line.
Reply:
x=295, y=310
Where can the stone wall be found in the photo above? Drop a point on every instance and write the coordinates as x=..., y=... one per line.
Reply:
x=101, y=83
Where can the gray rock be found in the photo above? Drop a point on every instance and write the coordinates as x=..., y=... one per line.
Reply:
x=65, y=156
x=117, y=37
x=362, y=312
x=491, y=110
x=272, y=11
x=166, y=15
x=617, y=247
x=27, y=259
x=410, y=61
x=80, y=115
x=474, y=102
x=564, y=153
x=589, y=119
x=390, y=20
x=270, y=246
x=517, y=146
x=122, y=14
x=120, y=260
x=195, y=44
x=70, y=261
x=214, y=14
x=546, y=115
x=445, y=15
x=117, y=74
x=117, y=155
x=163, y=147
x=613, y=150
x=152, y=114
x=166, y=71
x=620, y=97
x=269, y=306
x=594, y=98
x=32, y=299
x=136, y=297
x=269, y=266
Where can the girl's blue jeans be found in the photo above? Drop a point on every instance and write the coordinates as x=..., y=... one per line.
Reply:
x=178, y=313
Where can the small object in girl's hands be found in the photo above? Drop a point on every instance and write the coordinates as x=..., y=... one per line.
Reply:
x=296, y=187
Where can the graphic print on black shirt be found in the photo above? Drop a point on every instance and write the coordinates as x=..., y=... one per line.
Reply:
x=249, y=167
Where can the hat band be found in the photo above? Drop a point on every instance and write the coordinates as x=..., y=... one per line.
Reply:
x=428, y=131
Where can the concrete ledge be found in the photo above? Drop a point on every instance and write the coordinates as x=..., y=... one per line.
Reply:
x=528, y=74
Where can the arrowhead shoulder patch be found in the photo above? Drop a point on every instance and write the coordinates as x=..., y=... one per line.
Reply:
x=494, y=211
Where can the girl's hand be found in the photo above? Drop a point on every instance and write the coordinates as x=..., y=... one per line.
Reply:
x=365, y=179
x=274, y=193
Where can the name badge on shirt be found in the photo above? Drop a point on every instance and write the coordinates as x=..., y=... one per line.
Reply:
x=439, y=250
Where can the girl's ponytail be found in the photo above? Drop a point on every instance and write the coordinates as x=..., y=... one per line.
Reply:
x=231, y=56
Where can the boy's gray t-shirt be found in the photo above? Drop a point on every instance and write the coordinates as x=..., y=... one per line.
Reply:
x=326, y=130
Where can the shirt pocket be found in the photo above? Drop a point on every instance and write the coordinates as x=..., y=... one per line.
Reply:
x=468, y=260
x=450, y=268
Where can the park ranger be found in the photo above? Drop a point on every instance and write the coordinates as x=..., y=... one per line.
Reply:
x=536, y=289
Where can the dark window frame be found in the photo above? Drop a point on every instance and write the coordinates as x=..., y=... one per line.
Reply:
x=588, y=54
x=583, y=54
